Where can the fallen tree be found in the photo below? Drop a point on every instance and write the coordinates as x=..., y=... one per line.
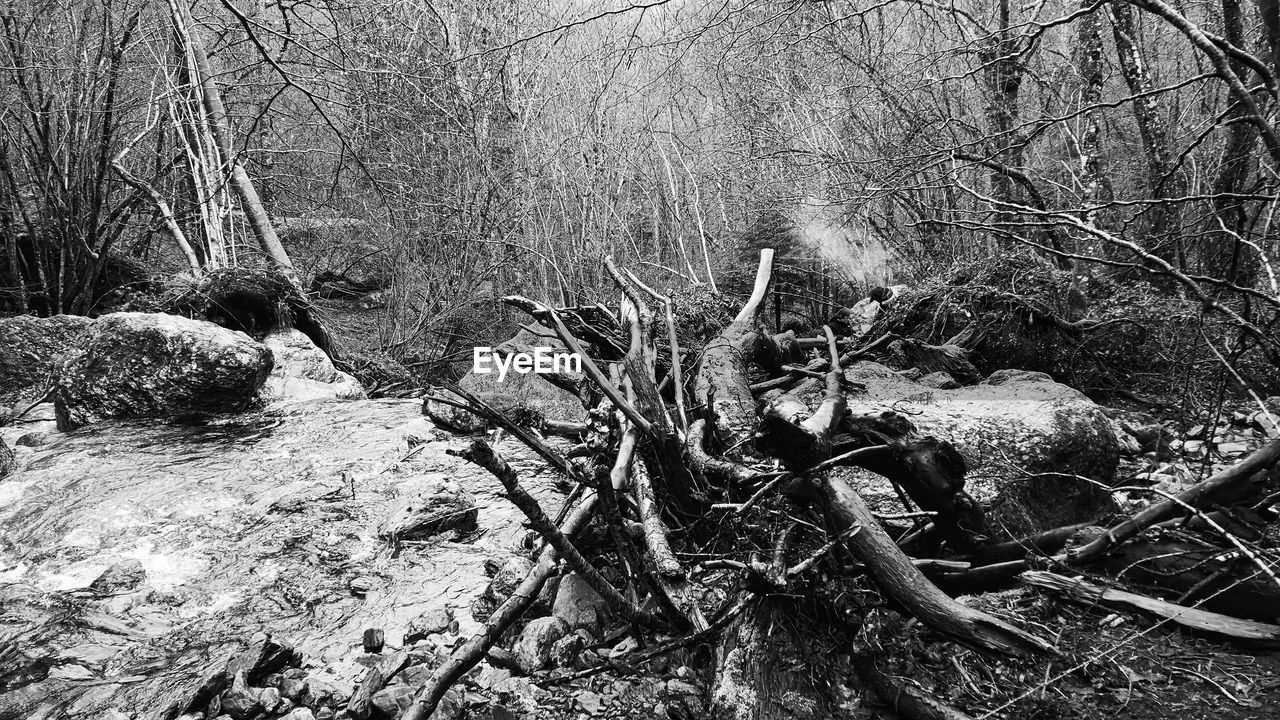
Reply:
x=688, y=485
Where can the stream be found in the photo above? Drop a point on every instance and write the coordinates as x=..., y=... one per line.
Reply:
x=265, y=522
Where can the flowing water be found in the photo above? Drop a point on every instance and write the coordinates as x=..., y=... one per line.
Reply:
x=265, y=522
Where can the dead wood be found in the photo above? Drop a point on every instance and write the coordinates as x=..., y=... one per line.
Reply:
x=950, y=359
x=899, y=579
x=1200, y=495
x=465, y=656
x=481, y=454
x=722, y=385
x=1089, y=593
x=904, y=695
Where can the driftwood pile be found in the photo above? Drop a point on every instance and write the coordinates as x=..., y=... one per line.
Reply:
x=725, y=476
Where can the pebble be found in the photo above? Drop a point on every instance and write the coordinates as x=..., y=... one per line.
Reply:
x=591, y=702
x=1233, y=448
x=627, y=645
x=270, y=699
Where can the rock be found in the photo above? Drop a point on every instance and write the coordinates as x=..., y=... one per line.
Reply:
x=939, y=380
x=950, y=360
x=270, y=699
x=1147, y=433
x=32, y=439
x=590, y=702
x=393, y=700
x=508, y=577
x=626, y=646
x=450, y=417
x=439, y=620
x=533, y=649
x=136, y=365
x=580, y=606
x=265, y=656
x=446, y=507
x=241, y=701
x=293, y=688
x=419, y=432
x=124, y=576
x=1233, y=448
x=567, y=651
x=374, y=639
x=30, y=348
x=303, y=373
x=1023, y=437
x=300, y=714
x=7, y=462
x=526, y=398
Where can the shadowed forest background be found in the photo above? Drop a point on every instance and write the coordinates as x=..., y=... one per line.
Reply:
x=442, y=155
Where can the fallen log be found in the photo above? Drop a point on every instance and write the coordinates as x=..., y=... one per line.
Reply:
x=1081, y=590
x=899, y=579
x=722, y=386
x=1198, y=496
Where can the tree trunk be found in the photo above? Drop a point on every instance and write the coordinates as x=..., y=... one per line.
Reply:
x=256, y=214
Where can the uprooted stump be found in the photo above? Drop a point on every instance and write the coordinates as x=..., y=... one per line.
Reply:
x=708, y=511
x=250, y=300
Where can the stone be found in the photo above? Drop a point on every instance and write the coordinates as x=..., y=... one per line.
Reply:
x=508, y=577
x=270, y=699
x=320, y=693
x=1140, y=432
x=1233, y=448
x=416, y=675
x=580, y=606
x=241, y=701
x=588, y=701
x=30, y=348
x=144, y=365
x=293, y=688
x=32, y=439
x=567, y=651
x=374, y=639
x=526, y=398
x=303, y=373
x=533, y=649
x=446, y=507
x=393, y=700
x=939, y=380
x=1024, y=439
x=123, y=576
x=626, y=646
x=300, y=714
x=439, y=620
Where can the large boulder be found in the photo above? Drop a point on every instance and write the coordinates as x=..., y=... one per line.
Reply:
x=525, y=397
x=302, y=372
x=137, y=365
x=30, y=347
x=1036, y=450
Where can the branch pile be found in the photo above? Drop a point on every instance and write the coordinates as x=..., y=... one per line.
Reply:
x=711, y=483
